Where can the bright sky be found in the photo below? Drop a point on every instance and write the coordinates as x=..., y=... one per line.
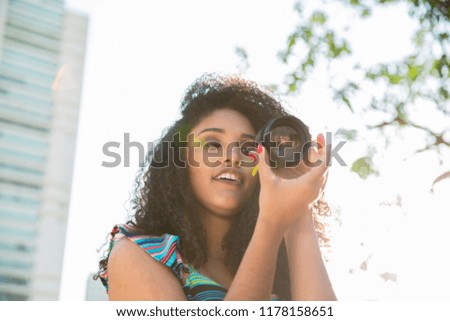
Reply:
x=141, y=57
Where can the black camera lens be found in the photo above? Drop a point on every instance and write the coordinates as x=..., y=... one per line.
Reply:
x=287, y=139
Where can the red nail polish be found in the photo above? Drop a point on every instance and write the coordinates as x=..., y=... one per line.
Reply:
x=259, y=149
x=252, y=156
x=320, y=140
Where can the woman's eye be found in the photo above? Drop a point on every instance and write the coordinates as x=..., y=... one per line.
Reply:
x=248, y=147
x=213, y=144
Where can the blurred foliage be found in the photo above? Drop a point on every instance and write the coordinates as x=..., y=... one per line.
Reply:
x=363, y=167
x=243, y=59
x=420, y=79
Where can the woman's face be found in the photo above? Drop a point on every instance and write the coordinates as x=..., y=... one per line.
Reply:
x=221, y=185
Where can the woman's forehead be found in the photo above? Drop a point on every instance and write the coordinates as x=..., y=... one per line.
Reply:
x=224, y=121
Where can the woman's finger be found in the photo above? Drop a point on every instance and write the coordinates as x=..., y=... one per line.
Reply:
x=263, y=167
x=318, y=160
x=321, y=146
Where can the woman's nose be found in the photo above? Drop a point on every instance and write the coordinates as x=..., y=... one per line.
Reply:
x=233, y=153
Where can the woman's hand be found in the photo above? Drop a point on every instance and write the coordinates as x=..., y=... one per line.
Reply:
x=283, y=200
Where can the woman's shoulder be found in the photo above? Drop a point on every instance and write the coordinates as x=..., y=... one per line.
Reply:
x=133, y=275
x=134, y=267
x=163, y=248
x=126, y=255
x=141, y=238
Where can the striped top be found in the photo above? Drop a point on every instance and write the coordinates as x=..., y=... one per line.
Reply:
x=165, y=249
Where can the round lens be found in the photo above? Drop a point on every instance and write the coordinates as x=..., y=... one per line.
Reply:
x=287, y=145
x=288, y=139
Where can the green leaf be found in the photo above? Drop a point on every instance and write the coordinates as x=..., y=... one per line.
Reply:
x=336, y=49
x=393, y=79
x=347, y=102
x=292, y=40
x=305, y=33
x=443, y=36
x=419, y=37
x=363, y=167
x=318, y=17
x=366, y=13
x=440, y=65
x=352, y=86
x=413, y=72
x=443, y=92
x=292, y=87
x=309, y=62
x=348, y=134
x=342, y=95
x=371, y=75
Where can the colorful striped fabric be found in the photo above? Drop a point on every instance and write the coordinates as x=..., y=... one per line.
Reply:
x=165, y=249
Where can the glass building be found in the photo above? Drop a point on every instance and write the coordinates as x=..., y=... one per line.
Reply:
x=42, y=49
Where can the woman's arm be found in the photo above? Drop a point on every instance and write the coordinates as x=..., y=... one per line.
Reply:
x=309, y=277
x=255, y=276
x=279, y=203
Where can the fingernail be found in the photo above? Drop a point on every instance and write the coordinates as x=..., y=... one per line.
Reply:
x=252, y=156
x=255, y=170
x=321, y=140
x=259, y=149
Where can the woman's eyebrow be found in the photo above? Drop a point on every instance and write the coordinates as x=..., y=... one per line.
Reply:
x=222, y=131
x=249, y=136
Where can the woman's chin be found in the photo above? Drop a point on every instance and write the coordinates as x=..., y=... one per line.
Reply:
x=227, y=209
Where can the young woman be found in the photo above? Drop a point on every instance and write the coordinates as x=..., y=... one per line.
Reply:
x=205, y=227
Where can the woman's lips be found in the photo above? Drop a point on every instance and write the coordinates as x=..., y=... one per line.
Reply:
x=227, y=182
